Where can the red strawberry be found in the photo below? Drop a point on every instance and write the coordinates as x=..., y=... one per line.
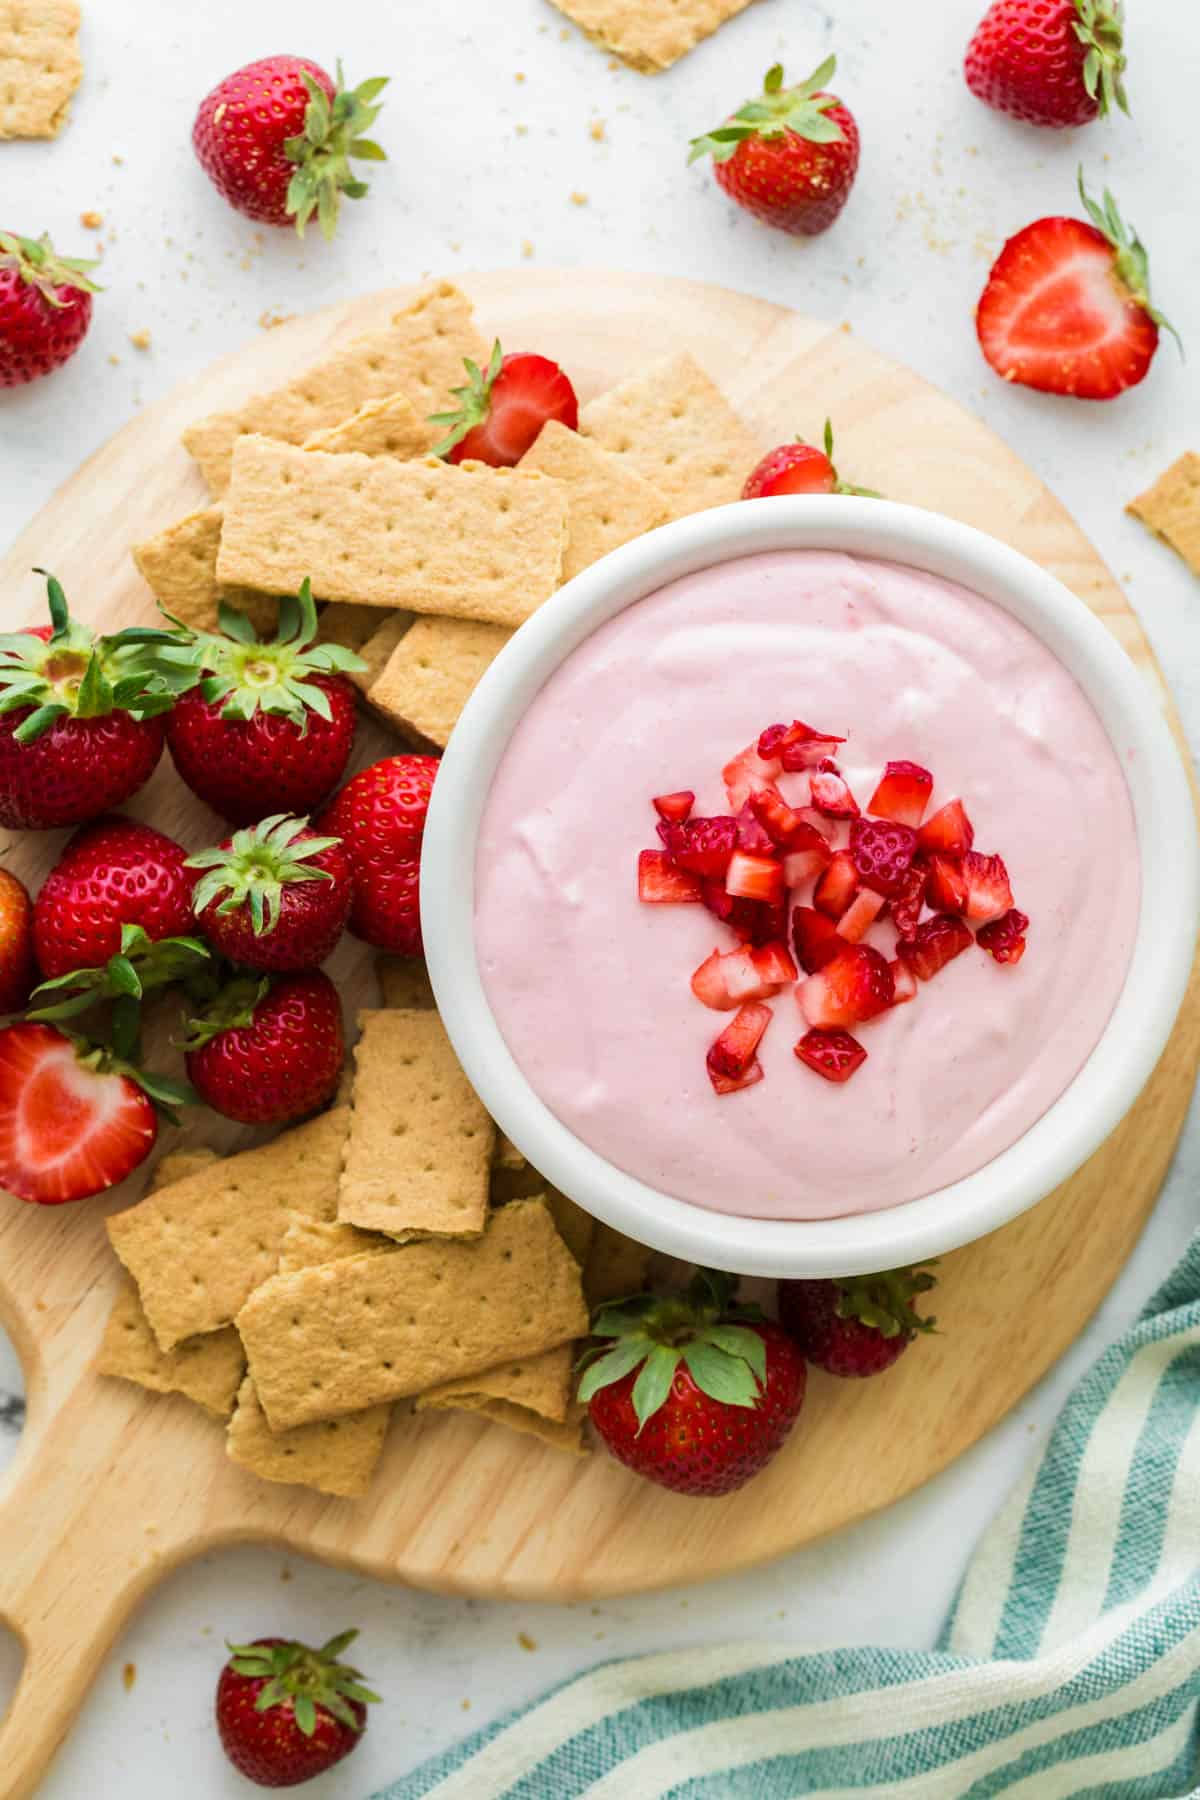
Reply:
x=903, y=794
x=830, y=792
x=907, y=901
x=948, y=831
x=856, y=1325
x=1004, y=938
x=380, y=817
x=754, y=878
x=267, y=728
x=275, y=139
x=731, y=1055
x=852, y=987
x=1067, y=306
x=796, y=746
x=268, y=1050
x=728, y=978
x=660, y=883
x=815, y=938
x=286, y=1713
x=808, y=857
x=73, y=1121
x=905, y=983
x=1049, y=62
x=882, y=853
x=501, y=412
x=114, y=872
x=837, y=886
x=701, y=846
x=80, y=726
x=733, y=1084
x=675, y=807
x=938, y=941
x=18, y=970
x=945, y=884
x=691, y=1392
x=45, y=308
x=988, y=891
x=799, y=468
x=274, y=896
x=860, y=915
x=745, y=918
x=833, y=1054
x=783, y=827
x=789, y=156
x=752, y=834
x=748, y=773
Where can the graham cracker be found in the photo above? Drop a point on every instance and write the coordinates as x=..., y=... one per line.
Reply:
x=352, y=1334
x=40, y=66
x=389, y=427
x=432, y=673
x=379, y=647
x=420, y=354
x=198, y=1248
x=565, y=1435
x=506, y=1155
x=468, y=541
x=420, y=1145
x=177, y=1164
x=347, y=624
x=650, y=35
x=1171, y=508
x=534, y=1396
x=674, y=427
x=207, y=1370
x=180, y=566
x=335, y=1456
x=576, y=1228
x=608, y=503
x=307, y=1243
x=616, y=1266
x=404, y=983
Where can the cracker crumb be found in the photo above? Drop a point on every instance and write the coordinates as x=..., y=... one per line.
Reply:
x=119, y=160
x=466, y=1705
x=140, y=339
x=578, y=199
x=129, y=1676
x=597, y=130
x=269, y=320
x=114, y=360
x=519, y=75
x=564, y=35
x=247, y=261
x=525, y=1641
x=522, y=131
x=526, y=247
x=91, y=221
x=614, y=62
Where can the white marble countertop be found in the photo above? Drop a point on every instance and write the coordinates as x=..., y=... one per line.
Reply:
x=483, y=161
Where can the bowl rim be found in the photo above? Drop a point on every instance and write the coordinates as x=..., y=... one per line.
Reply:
x=1087, y=1111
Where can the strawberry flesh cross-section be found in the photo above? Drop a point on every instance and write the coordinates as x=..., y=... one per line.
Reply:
x=834, y=1054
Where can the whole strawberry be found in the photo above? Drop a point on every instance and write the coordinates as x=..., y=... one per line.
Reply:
x=1049, y=62
x=856, y=1325
x=45, y=308
x=380, y=817
x=276, y=138
x=502, y=410
x=112, y=873
x=286, y=1713
x=265, y=1051
x=18, y=968
x=81, y=725
x=799, y=468
x=693, y=1393
x=267, y=727
x=274, y=896
x=74, y=1119
x=789, y=156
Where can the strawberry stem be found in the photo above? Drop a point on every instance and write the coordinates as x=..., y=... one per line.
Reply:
x=333, y=133
x=802, y=110
x=1099, y=29
x=476, y=400
x=1131, y=263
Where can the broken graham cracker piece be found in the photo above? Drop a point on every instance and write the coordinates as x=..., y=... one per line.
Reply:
x=616, y=1266
x=347, y=624
x=335, y=1456
x=176, y=1165
x=180, y=567
x=200, y=1246
x=420, y=1145
x=534, y=1396
x=379, y=647
x=420, y=354
x=351, y=1334
x=432, y=673
x=307, y=1243
x=650, y=35
x=1171, y=508
x=40, y=66
x=389, y=427
x=467, y=541
x=675, y=428
x=207, y=1370
x=608, y=503
x=566, y=1434
x=404, y=983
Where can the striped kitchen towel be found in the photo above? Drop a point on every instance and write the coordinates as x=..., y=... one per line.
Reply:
x=1070, y=1666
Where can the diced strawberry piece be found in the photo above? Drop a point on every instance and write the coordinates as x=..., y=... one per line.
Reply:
x=660, y=883
x=783, y=826
x=751, y=835
x=754, y=877
x=774, y=964
x=908, y=900
x=948, y=831
x=855, y=985
x=833, y=1054
x=938, y=941
x=748, y=774
x=945, y=884
x=769, y=923
x=741, y=916
x=710, y=986
x=830, y=793
x=803, y=866
x=743, y=980
x=733, y=1084
x=1004, y=938
x=905, y=983
x=860, y=915
x=675, y=807
x=815, y=939
x=797, y=746
x=837, y=886
x=989, y=893
x=903, y=794
x=701, y=846
x=883, y=852
x=734, y=1051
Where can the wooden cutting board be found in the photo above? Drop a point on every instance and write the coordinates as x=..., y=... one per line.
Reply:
x=112, y=1488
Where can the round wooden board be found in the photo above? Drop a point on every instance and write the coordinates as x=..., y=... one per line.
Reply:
x=112, y=1487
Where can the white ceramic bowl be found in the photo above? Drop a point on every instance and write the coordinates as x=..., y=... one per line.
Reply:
x=1083, y=1116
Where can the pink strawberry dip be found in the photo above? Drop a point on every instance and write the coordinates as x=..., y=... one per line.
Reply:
x=591, y=989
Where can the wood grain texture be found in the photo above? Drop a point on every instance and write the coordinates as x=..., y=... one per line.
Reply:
x=112, y=1487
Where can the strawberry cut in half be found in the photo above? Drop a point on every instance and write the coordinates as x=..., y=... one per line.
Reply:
x=731, y=1054
x=797, y=746
x=854, y=986
x=947, y=832
x=830, y=793
x=882, y=853
x=675, y=807
x=835, y=1055
x=837, y=887
x=815, y=938
x=1004, y=938
x=502, y=409
x=73, y=1122
x=660, y=883
x=800, y=468
x=903, y=794
x=754, y=878
x=938, y=941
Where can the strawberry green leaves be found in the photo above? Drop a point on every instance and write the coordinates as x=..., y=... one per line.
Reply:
x=333, y=134
x=306, y=1679
x=1099, y=30
x=802, y=109
x=253, y=871
x=139, y=966
x=1132, y=263
x=475, y=397
x=39, y=265
x=885, y=1301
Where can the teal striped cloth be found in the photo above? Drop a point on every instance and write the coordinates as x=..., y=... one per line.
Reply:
x=1070, y=1665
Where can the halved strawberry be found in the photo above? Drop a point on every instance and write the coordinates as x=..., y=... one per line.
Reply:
x=860, y=915
x=502, y=409
x=905, y=983
x=751, y=835
x=989, y=892
x=797, y=746
x=938, y=941
x=748, y=773
x=882, y=851
x=945, y=884
x=833, y=1054
x=71, y=1123
x=731, y=1055
x=837, y=886
x=854, y=986
x=907, y=901
x=815, y=939
x=754, y=878
x=701, y=846
x=903, y=793
x=676, y=807
x=1004, y=938
x=733, y=1084
x=948, y=832
x=660, y=883
x=830, y=793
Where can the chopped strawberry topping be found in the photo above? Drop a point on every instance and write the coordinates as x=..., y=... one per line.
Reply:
x=905, y=983
x=754, y=878
x=725, y=979
x=701, y=846
x=948, y=831
x=860, y=915
x=741, y=916
x=748, y=774
x=907, y=902
x=815, y=939
x=676, y=807
x=988, y=891
x=797, y=746
x=732, y=1053
x=1004, y=938
x=783, y=826
x=733, y=1084
x=938, y=941
x=751, y=835
x=946, y=885
x=853, y=986
x=660, y=883
x=902, y=794
x=833, y=1054
x=882, y=852
x=830, y=793
x=837, y=886
x=800, y=866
